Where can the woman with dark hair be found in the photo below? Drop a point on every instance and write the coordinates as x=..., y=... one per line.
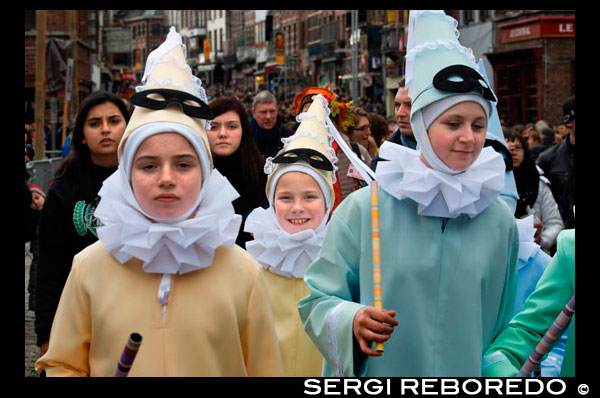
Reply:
x=236, y=157
x=535, y=196
x=66, y=224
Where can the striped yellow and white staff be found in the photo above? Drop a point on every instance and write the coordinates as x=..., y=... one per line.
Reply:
x=376, y=248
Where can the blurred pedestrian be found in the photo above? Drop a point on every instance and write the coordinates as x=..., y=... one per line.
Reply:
x=267, y=126
x=360, y=132
x=563, y=130
x=534, y=138
x=535, y=196
x=379, y=129
x=547, y=141
x=525, y=131
x=558, y=164
x=392, y=125
x=236, y=156
x=29, y=132
x=67, y=224
x=38, y=196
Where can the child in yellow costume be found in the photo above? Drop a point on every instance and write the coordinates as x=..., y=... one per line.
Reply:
x=289, y=234
x=166, y=265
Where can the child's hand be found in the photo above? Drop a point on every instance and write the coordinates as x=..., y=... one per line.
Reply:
x=371, y=324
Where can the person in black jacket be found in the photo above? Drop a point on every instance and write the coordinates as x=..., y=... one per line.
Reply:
x=558, y=164
x=66, y=224
x=266, y=124
x=236, y=156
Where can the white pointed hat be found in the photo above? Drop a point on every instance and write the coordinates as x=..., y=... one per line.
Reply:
x=440, y=73
x=432, y=49
x=308, y=151
x=171, y=98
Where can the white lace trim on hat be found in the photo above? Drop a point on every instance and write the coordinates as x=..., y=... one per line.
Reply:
x=435, y=44
x=160, y=55
x=412, y=51
x=439, y=194
x=278, y=251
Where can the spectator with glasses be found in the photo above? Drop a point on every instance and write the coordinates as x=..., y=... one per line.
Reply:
x=361, y=131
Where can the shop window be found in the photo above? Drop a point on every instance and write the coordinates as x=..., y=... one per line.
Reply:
x=516, y=88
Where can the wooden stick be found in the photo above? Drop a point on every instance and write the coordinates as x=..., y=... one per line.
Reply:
x=376, y=249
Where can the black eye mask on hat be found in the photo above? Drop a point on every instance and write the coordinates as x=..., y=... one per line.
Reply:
x=471, y=81
x=294, y=155
x=172, y=97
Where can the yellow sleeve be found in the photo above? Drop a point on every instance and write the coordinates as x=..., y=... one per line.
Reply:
x=69, y=344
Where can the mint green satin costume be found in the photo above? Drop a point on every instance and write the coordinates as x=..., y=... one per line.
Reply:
x=552, y=292
x=453, y=289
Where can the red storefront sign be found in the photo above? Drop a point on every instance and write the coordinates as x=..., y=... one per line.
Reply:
x=128, y=75
x=537, y=27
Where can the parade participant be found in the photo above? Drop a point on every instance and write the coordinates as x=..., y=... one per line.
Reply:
x=289, y=234
x=512, y=347
x=67, y=224
x=236, y=157
x=532, y=263
x=448, y=279
x=350, y=174
x=166, y=266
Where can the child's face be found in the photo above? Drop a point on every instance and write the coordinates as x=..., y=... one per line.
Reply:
x=166, y=175
x=457, y=135
x=37, y=201
x=299, y=202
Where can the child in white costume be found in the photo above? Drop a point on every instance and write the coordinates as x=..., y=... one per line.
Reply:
x=166, y=265
x=289, y=234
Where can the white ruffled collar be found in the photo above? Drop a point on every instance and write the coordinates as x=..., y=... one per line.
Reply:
x=527, y=246
x=404, y=175
x=167, y=248
x=278, y=251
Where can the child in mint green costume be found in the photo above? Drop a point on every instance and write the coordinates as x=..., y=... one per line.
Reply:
x=513, y=346
x=449, y=243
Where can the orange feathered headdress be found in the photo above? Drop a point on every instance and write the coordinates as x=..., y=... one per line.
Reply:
x=340, y=111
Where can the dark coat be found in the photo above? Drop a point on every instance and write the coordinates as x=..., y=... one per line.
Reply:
x=269, y=141
x=558, y=164
x=58, y=242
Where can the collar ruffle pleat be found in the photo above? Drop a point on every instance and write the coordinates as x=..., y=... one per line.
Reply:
x=527, y=246
x=439, y=194
x=168, y=248
x=284, y=254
